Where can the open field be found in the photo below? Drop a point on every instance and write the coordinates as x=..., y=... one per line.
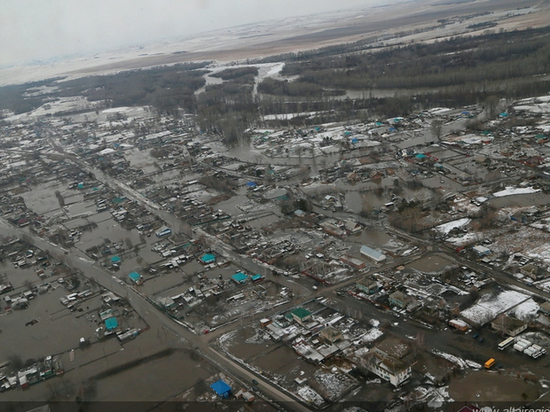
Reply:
x=288, y=36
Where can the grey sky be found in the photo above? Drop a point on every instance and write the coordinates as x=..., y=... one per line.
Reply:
x=40, y=29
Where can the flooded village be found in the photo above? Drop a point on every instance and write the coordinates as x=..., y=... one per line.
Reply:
x=399, y=262
x=361, y=223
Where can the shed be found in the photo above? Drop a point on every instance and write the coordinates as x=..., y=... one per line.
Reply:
x=111, y=323
x=222, y=389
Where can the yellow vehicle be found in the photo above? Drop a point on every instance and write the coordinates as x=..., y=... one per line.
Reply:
x=489, y=364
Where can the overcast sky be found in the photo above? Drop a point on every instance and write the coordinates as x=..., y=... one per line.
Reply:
x=40, y=29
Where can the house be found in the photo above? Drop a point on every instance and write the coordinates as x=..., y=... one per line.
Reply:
x=331, y=228
x=353, y=262
x=222, y=389
x=239, y=278
x=136, y=278
x=399, y=299
x=368, y=285
x=331, y=334
x=545, y=308
x=301, y=315
x=386, y=366
x=208, y=258
x=481, y=250
x=372, y=254
x=166, y=303
x=508, y=325
x=257, y=278
x=244, y=394
x=352, y=226
x=533, y=271
x=111, y=323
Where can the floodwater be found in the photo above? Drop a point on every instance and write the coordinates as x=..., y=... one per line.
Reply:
x=248, y=155
x=431, y=264
x=231, y=206
x=373, y=237
x=248, y=343
x=41, y=198
x=57, y=331
x=356, y=201
x=107, y=229
x=178, y=373
x=377, y=93
x=141, y=159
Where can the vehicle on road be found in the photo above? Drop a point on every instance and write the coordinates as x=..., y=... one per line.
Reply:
x=489, y=364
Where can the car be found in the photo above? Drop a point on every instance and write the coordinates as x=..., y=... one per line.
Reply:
x=476, y=335
x=481, y=340
x=254, y=381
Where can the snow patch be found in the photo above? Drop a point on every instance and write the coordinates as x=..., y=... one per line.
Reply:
x=447, y=227
x=510, y=190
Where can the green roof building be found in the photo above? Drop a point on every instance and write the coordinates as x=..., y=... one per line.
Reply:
x=301, y=315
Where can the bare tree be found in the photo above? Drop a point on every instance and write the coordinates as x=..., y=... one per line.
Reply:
x=491, y=106
x=60, y=198
x=28, y=284
x=437, y=128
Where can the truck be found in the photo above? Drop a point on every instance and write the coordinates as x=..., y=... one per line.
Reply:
x=522, y=344
x=528, y=348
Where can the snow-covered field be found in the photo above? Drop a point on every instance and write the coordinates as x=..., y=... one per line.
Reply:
x=310, y=396
x=334, y=383
x=539, y=104
x=490, y=306
x=526, y=311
